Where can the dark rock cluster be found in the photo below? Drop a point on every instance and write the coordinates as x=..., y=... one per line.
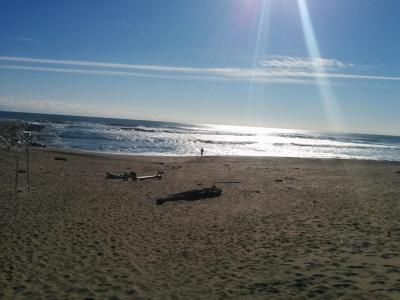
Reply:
x=17, y=134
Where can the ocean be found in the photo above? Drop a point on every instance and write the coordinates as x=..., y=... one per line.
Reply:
x=138, y=137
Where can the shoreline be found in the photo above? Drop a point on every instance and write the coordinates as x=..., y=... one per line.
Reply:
x=132, y=155
x=25, y=132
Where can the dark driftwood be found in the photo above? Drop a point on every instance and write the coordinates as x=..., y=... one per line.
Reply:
x=60, y=158
x=125, y=176
x=193, y=195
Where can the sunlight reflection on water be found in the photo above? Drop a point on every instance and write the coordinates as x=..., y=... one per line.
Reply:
x=183, y=139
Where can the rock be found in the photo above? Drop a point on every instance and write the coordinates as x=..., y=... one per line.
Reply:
x=36, y=144
x=34, y=127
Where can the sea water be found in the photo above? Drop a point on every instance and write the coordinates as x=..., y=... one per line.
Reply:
x=166, y=138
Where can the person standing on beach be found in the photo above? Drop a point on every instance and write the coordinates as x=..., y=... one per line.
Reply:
x=202, y=151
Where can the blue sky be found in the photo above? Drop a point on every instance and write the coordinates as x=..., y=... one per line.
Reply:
x=321, y=65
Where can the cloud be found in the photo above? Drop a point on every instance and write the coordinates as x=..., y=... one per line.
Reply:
x=277, y=70
x=96, y=64
x=211, y=75
x=79, y=71
x=58, y=107
x=24, y=39
x=288, y=62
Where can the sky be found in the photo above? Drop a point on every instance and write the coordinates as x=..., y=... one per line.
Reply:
x=329, y=65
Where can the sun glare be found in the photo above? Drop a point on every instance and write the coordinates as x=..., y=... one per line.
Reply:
x=327, y=96
x=261, y=10
x=262, y=31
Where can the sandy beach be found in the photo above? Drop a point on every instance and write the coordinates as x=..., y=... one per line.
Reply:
x=282, y=229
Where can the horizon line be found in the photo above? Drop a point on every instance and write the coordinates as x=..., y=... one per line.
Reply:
x=203, y=124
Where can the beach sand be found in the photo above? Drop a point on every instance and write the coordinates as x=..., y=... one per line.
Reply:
x=282, y=229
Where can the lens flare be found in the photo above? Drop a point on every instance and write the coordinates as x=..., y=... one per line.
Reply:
x=262, y=33
x=332, y=110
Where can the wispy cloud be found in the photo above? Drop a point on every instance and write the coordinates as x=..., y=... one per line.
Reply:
x=43, y=106
x=58, y=107
x=24, y=39
x=277, y=69
x=216, y=74
x=80, y=71
x=67, y=107
x=96, y=64
x=288, y=62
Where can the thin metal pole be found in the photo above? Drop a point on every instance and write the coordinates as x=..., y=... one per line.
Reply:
x=27, y=167
x=16, y=175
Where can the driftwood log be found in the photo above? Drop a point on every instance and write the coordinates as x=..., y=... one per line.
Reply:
x=158, y=176
x=193, y=195
x=125, y=176
x=60, y=158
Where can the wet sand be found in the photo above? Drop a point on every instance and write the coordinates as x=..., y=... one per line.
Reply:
x=282, y=229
